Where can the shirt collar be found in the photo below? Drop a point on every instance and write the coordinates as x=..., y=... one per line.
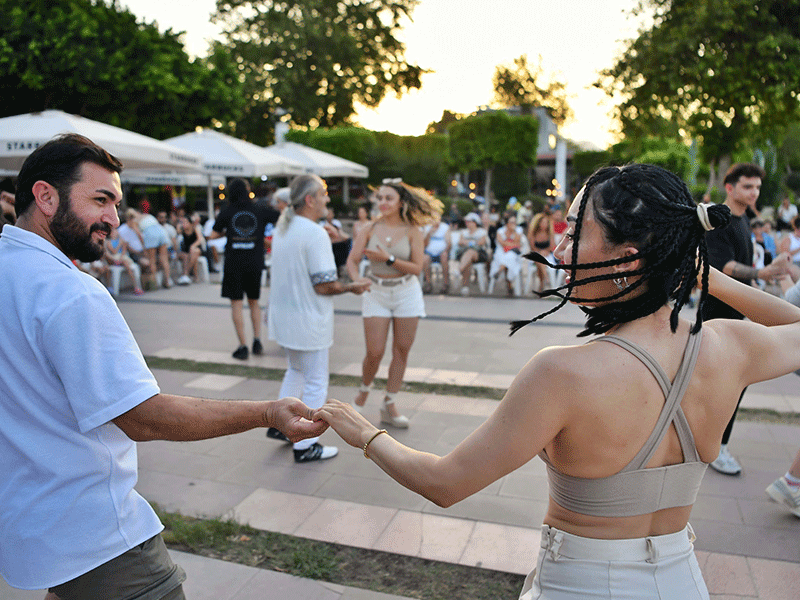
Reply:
x=23, y=237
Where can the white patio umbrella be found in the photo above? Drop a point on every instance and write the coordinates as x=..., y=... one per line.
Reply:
x=22, y=134
x=231, y=157
x=145, y=177
x=322, y=163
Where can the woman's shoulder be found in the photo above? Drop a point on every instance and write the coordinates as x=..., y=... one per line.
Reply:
x=558, y=365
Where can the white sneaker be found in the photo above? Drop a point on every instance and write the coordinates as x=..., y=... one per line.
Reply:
x=184, y=280
x=725, y=463
x=465, y=291
x=785, y=493
x=315, y=452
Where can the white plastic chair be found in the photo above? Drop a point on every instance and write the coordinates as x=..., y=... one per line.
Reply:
x=116, y=276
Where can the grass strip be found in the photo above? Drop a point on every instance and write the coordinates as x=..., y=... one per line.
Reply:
x=344, y=565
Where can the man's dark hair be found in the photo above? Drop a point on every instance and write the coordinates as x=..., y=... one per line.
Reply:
x=238, y=191
x=651, y=209
x=739, y=170
x=59, y=162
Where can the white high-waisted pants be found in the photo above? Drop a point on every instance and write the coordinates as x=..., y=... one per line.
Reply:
x=307, y=379
x=571, y=567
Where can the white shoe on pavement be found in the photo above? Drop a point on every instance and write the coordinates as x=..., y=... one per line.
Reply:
x=785, y=493
x=725, y=463
x=184, y=280
x=315, y=452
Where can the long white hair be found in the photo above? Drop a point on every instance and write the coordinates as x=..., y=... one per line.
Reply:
x=301, y=187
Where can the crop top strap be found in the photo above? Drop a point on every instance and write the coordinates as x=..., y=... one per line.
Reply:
x=672, y=406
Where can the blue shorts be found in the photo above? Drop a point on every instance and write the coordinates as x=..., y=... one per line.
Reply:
x=155, y=236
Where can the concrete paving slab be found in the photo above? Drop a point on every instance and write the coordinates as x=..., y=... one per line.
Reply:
x=502, y=548
x=432, y=537
x=219, y=383
x=275, y=511
x=347, y=523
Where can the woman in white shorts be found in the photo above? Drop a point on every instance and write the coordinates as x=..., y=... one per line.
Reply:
x=394, y=246
x=626, y=423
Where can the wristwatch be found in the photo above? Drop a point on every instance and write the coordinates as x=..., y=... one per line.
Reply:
x=391, y=260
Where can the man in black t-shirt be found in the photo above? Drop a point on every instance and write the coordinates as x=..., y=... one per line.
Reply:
x=730, y=250
x=243, y=222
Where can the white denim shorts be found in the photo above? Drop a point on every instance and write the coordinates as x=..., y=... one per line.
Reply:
x=401, y=300
x=571, y=567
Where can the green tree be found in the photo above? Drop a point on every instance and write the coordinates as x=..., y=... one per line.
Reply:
x=719, y=69
x=491, y=139
x=528, y=86
x=441, y=126
x=314, y=58
x=93, y=59
x=419, y=160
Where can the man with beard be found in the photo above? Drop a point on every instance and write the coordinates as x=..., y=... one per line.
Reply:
x=75, y=394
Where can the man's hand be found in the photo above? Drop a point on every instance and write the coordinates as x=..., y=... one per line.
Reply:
x=333, y=233
x=360, y=286
x=778, y=267
x=293, y=419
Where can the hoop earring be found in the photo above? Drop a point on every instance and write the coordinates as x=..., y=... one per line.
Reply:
x=621, y=283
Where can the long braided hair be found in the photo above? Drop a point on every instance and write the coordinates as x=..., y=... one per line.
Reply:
x=650, y=208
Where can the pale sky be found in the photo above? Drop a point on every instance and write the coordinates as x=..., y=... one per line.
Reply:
x=462, y=41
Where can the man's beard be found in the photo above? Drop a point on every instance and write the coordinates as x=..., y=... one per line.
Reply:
x=73, y=237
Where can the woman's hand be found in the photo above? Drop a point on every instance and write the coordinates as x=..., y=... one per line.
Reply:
x=351, y=426
x=378, y=255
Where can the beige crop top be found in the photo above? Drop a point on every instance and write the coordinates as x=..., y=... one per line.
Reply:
x=637, y=490
x=401, y=250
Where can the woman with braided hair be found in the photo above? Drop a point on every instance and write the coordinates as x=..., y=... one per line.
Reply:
x=624, y=464
x=393, y=243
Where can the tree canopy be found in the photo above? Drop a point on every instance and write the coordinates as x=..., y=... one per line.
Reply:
x=719, y=69
x=93, y=59
x=528, y=86
x=315, y=59
x=490, y=139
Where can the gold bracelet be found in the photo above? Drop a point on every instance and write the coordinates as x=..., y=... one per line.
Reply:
x=377, y=433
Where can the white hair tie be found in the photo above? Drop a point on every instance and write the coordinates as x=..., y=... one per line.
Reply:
x=702, y=214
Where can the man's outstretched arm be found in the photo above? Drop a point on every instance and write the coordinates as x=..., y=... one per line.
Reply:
x=184, y=418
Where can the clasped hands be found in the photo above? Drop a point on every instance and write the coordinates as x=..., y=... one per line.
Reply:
x=297, y=421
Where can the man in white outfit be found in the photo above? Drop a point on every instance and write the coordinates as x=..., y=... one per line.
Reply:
x=302, y=280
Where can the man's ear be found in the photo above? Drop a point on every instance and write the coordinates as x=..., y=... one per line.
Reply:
x=46, y=197
x=633, y=265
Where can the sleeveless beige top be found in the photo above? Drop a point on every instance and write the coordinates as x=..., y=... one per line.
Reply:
x=401, y=249
x=637, y=490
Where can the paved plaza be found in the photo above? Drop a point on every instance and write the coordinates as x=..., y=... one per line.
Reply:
x=748, y=547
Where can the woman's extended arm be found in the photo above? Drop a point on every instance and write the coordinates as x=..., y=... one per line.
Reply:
x=525, y=421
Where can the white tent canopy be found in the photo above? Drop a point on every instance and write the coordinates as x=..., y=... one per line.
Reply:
x=144, y=177
x=230, y=157
x=225, y=155
x=22, y=134
x=322, y=163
